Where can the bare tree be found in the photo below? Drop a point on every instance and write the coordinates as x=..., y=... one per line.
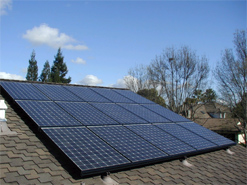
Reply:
x=231, y=74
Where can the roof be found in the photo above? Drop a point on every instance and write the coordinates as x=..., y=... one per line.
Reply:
x=26, y=158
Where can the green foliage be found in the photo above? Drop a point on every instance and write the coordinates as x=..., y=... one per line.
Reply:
x=208, y=96
x=59, y=69
x=46, y=73
x=152, y=94
x=32, y=70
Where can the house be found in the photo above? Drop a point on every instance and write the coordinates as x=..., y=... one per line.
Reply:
x=28, y=158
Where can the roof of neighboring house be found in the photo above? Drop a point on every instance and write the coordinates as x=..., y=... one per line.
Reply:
x=27, y=158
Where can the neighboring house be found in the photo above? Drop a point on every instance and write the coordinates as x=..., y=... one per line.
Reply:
x=217, y=118
x=27, y=158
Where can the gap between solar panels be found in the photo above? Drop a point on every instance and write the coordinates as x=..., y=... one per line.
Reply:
x=106, y=129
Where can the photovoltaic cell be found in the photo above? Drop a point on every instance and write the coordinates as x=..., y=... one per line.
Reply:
x=85, y=149
x=186, y=136
x=207, y=134
x=86, y=113
x=118, y=113
x=127, y=143
x=112, y=95
x=166, y=113
x=87, y=94
x=57, y=92
x=161, y=139
x=133, y=96
x=47, y=114
x=23, y=91
x=144, y=113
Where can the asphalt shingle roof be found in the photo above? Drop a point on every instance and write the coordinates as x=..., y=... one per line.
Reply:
x=26, y=158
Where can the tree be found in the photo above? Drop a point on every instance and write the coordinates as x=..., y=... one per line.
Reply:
x=152, y=94
x=32, y=70
x=209, y=96
x=46, y=73
x=59, y=69
x=231, y=74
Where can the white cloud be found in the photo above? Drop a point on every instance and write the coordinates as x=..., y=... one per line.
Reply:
x=9, y=76
x=91, y=80
x=119, y=84
x=4, y=6
x=79, y=61
x=45, y=35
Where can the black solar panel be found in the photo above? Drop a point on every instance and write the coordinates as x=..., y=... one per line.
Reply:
x=47, y=114
x=86, y=113
x=133, y=96
x=23, y=91
x=118, y=113
x=112, y=95
x=86, y=150
x=207, y=134
x=166, y=113
x=186, y=136
x=127, y=143
x=144, y=113
x=86, y=94
x=166, y=142
x=57, y=92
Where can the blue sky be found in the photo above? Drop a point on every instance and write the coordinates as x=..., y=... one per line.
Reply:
x=102, y=40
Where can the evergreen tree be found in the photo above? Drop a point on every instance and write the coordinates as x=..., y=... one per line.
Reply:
x=32, y=70
x=46, y=73
x=59, y=69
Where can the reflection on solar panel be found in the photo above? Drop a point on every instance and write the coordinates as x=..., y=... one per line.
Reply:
x=86, y=94
x=166, y=142
x=86, y=113
x=112, y=95
x=23, y=91
x=186, y=136
x=85, y=149
x=57, y=92
x=166, y=113
x=207, y=134
x=102, y=129
x=133, y=96
x=47, y=114
x=144, y=113
x=128, y=143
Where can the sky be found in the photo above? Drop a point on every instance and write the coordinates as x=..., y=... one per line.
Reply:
x=102, y=40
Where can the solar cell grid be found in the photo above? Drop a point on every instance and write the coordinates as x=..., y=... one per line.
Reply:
x=23, y=91
x=166, y=142
x=57, y=92
x=144, y=113
x=127, y=143
x=47, y=114
x=85, y=149
x=186, y=136
x=207, y=134
x=112, y=95
x=118, y=113
x=86, y=113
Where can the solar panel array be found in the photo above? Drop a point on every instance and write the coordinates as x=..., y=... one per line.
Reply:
x=102, y=129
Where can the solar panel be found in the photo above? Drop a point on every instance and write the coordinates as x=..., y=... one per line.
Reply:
x=144, y=113
x=133, y=96
x=186, y=136
x=57, y=92
x=47, y=114
x=166, y=113
x=118, y=113
x=207, y=134
x=23, y=91
x=85, y=149
x=166, y=142
x=87, y=94
x=112, y=95
x=127, y=143
x=86, y=113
